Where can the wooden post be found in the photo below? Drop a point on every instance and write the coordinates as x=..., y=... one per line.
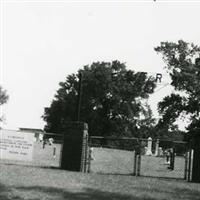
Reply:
x=135, y=163
x=157, y=148
x=139, y=158
x=54, y=151
x=139, y=164
x=172, y=158
x=186, y=165
x=79, y=97
x=189, y=165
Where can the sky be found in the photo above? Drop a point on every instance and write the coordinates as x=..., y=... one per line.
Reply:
x=44, y=41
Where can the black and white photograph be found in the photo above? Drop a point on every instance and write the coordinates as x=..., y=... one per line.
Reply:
x=99, y=99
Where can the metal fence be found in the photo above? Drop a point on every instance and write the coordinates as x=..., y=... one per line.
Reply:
x=140, y=157
x=111, y=155
x=165, y=159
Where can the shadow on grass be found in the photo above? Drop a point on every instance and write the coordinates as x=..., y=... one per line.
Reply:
x=47, y=193
x=143, y=176
x=164, y=178
x=35, y=166
x=62, y=194
x=4, y=193
x=109, y=173
x=176, y=193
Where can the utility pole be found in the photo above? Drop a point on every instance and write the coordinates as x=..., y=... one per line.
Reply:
x=79, y=96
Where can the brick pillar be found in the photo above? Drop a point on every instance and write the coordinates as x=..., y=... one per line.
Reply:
x=196, y=159
x=73, y=155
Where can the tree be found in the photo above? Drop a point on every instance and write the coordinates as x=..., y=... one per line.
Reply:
x=146, y=124
x=183, y=64
x=110, y=99
x=3, y=99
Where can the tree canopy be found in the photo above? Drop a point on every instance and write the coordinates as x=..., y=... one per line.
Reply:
x=183, y=64
x=3, y=98
x=111, y=100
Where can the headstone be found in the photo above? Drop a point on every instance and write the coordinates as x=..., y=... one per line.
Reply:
x=41, y=137
x=160, y=151
x=149, y=147
x=91, y=153
x=167, y=154
x=51, y=140
x=157, y=148
x=145, y=150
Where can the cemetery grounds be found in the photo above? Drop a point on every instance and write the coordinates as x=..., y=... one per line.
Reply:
x=110, y=178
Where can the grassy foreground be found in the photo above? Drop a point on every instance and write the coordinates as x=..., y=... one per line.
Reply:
x=35, y=183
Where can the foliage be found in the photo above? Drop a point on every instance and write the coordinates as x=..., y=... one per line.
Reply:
x=3, y=98
x=183, y=65
x=110, y=102
x=146, y=123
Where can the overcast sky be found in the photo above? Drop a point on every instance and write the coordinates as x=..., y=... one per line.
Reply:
x=44, y=41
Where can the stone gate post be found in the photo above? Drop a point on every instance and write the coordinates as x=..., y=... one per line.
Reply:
x=74, y=149
x=196, y=159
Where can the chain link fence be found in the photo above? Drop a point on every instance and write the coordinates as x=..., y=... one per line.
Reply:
x=112, y=155
x=165, y=158
x=144, y=157
x=109, y=155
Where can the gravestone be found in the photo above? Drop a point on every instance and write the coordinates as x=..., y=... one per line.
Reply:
x=149, y=147
x=160, y=151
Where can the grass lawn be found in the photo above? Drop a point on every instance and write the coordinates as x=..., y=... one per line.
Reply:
x=36, y=180
x=35, y=183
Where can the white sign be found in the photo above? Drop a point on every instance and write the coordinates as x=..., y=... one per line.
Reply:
x=16, y=145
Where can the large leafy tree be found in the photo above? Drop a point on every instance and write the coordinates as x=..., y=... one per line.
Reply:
x=183, y=64
x=147, y=123
x=110, y=103
x=3, y=99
